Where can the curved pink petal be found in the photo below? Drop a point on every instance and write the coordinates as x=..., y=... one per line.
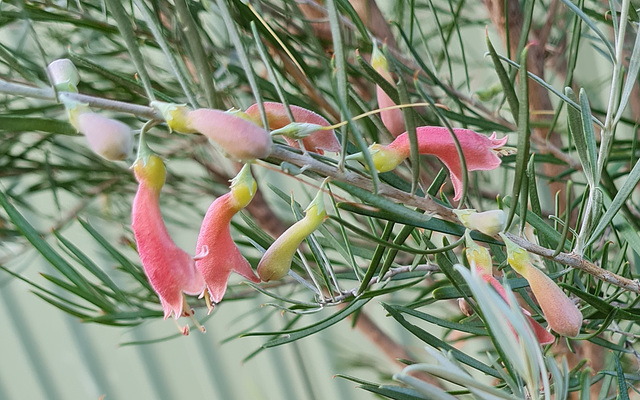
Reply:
x=223, y=255
x=478, y=150
x=317, y=142
x=238, y=137
x=170, y=270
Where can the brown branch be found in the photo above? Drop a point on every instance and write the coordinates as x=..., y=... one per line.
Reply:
x=424, y=203
x=577, y=262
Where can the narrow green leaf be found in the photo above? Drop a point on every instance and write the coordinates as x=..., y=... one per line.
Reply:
x=524, y=132
x=587, y=20
x=589, y=133
x=93, y=268
x=128, y=35
x=418, y=220
x=632, y=77
x=621, y=197
x=474, y=330
x=623, y=391
x=29, y=124
x=43, y=247
x=505, y=81
x=156, y=30
x=126, y=265
x=585, y=384
x=61, y=306
x=451, y=292
x=357, y=21
x=401, y=393
x=551, y=89
x=378, y=79
x=296, y=334
x=602, y=305
x=382, y=203
x=567, y=220
x=440, y=344
x=393, y=245
x=376, y=257
x=574, y=120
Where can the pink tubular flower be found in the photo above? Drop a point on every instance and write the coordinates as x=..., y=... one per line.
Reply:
x=479, y=151
x=238, y=136
x=561, y=314
x=223, y=256
x=480, y=258
x=392, y=119
x=317, y=142
x=171, y=271
x=276, y=261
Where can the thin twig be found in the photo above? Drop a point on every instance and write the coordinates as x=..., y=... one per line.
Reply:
x=311, y=164
x=21, y=90
x=576, y=261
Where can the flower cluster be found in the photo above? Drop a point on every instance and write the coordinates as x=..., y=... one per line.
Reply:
x=174, y=273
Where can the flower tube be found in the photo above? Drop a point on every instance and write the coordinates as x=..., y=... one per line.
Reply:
x=479, y=151
x=392, y=119
x=237, y=135
x=561, y=314
x=223, y=256
x=170, y=270
x=317, y=142
x=479, y=257
x=276, y=261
